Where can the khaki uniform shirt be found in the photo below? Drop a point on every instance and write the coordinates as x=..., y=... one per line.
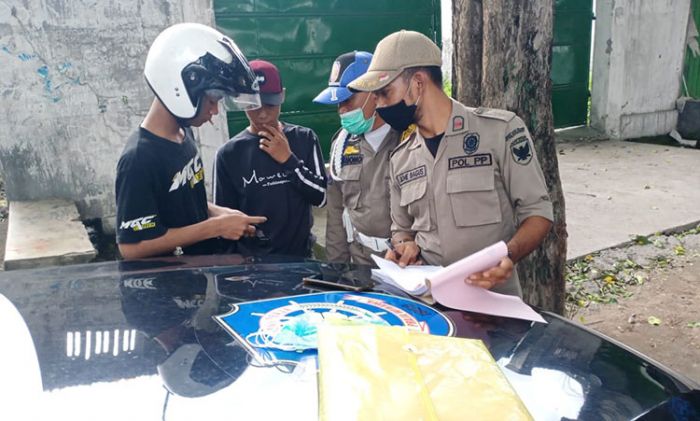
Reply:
x=363, y=191
x=483, y=182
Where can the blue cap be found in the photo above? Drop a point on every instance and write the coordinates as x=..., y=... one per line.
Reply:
x=346, y=68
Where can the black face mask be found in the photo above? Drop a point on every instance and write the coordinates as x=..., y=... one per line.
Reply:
x=399, y=116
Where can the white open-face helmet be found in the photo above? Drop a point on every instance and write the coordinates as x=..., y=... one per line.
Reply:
x=189, y=60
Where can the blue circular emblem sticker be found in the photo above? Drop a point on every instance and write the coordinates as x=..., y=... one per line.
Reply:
x=470, y=143
x=284, y=330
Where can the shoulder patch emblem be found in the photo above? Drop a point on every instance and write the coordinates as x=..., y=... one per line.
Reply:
x=470, y=143
x=514, y=133
x=457, y=123
x=521, y=150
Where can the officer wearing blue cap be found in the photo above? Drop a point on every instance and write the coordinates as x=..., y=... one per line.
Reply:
x=359, y=219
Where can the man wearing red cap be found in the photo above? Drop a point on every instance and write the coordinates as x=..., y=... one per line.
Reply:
x=272, y=169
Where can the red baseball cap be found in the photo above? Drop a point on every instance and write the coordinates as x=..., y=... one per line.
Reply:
x=268, y=77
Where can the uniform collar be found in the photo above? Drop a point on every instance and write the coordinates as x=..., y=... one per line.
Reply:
x=416, y=140
x=377, y=137
x=458, y=120
x=455, y=125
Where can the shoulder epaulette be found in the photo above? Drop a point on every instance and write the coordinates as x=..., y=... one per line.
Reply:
x=495, y=113
x=400, y=146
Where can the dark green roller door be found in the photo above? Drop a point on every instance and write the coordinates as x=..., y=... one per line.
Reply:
x=692, y=61
x=571, y=52
x=302, y=38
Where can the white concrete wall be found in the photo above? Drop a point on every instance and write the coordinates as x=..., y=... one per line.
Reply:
x=637, y=66
x=446, y=28
x=72, y=91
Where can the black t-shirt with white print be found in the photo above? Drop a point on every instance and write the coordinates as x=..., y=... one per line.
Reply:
x=160, y=185
x=248, y=179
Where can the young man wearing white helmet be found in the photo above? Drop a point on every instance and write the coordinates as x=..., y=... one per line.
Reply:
x=161, y=199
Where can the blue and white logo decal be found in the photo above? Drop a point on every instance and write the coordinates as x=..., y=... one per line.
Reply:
x=284, y=330
x=470, y=143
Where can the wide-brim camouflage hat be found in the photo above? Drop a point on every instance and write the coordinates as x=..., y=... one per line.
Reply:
x=395, y=53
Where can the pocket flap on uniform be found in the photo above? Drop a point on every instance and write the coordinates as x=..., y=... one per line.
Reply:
x=470, y=181
x=351, y=172
x=413, y=191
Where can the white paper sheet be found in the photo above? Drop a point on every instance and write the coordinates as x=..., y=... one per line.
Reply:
x=410, y=279
x=448, y=287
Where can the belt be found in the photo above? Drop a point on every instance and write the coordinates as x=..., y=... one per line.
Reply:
x=374, y=243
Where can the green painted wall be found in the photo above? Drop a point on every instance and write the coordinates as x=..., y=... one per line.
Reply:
x=571, y=54
x=692, y=62
x=303, y=37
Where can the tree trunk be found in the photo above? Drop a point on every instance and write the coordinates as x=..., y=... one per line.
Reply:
x=467, y=38
x=508, y=66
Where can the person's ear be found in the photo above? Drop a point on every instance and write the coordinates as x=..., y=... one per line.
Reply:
x=420, y=81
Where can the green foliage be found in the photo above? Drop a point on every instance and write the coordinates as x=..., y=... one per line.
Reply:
x=447, y=87
x=586, y=283
x=641, y=240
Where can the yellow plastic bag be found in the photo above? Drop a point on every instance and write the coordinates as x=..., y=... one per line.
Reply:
x=388, y=373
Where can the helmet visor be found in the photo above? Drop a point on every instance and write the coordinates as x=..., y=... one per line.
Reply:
x=246, y=93
x=233, y=101
x=242, y=102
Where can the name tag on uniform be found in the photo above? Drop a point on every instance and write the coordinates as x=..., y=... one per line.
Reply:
x=471, y=161
x=354, y=159
x=410, y=175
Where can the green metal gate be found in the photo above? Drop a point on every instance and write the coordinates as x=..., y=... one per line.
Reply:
x=571, y=58
x=302, y=38
x=692, y=62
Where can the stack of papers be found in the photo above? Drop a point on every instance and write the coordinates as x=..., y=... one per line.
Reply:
x=448, y=287
x=410, y=279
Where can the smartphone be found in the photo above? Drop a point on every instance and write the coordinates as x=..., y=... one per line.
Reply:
x=342, y=282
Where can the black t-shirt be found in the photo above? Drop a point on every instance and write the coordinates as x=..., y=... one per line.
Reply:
x=160, y=185
x=153, y=303
x=248, y=179
x=433, y=143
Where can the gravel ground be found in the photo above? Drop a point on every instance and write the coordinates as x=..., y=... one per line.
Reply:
x=646, y=296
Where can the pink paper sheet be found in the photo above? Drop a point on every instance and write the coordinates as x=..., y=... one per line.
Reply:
x=449, y=289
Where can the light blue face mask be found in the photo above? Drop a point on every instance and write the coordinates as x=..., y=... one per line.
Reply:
x=300, y=332
x=296, y=333
x=354, y=121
